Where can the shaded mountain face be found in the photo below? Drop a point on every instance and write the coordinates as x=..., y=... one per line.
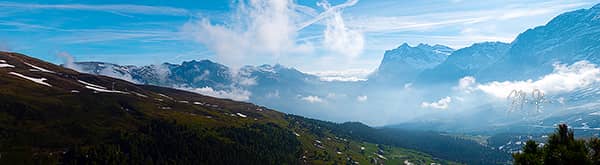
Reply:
x=569, y=37
x=463, y=62
x=189, y=73
x=405, y=62
x=54, y=115
x=259, y=80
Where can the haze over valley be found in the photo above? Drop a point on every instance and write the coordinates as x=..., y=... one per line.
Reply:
x=299, y=82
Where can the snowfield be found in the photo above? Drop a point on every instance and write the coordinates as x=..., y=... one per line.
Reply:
x=99, y=88
x=241, y=115
x=105, y=90
x=90, y=84
x=6, y=66
x=36, y=80
x=39, y=68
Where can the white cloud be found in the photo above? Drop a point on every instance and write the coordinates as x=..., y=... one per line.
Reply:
x=466, y=84
x=112, y=72
x=268, y=29
x=234, y=93
x=312, y=99
x=408, y=86
x=361, y=98
x=440, y=104
x=564, y=78
x=244, y=77
x=256, y=28
x=68, y=60
x=330, y=10
x=343, y=75
x=340, y=39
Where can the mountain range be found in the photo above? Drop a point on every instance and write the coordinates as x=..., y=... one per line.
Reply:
x=55, y=115
x=413, y=74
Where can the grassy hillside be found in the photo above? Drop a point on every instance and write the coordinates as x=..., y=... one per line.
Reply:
x=53, y=115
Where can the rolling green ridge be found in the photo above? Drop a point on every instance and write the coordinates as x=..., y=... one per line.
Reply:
x=87, y=119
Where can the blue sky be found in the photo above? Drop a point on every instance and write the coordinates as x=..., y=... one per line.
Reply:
x=346, y=36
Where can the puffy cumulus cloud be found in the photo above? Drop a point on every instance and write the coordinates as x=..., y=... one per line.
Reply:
x=233, y=93
x=564, y=78
x=440, y=104
x=268, y=29
x=466, y=84
x=312, y=99
x=340, y=39
x=256, y=28
x=68, y=60
x=361, y=98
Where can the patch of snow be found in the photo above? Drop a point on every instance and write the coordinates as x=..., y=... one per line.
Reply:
x=105, y=90
x=339, y=153
x=36, y=80
x=39, y=68
x=90, y=84
x=2, y=61
x=74, y=91
x=362, y=148
x=163, y=95
x=6, y=66
x=183, y=101
x=241, y=115
x=381, y=156
x=139, y=94
x=296, y=134
x=198, y=103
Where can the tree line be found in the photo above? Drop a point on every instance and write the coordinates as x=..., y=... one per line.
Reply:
x=561, y=148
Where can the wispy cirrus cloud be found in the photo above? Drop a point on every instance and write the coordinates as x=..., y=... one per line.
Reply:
x=112, y=8
x=435, y=20
x=78, y=36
